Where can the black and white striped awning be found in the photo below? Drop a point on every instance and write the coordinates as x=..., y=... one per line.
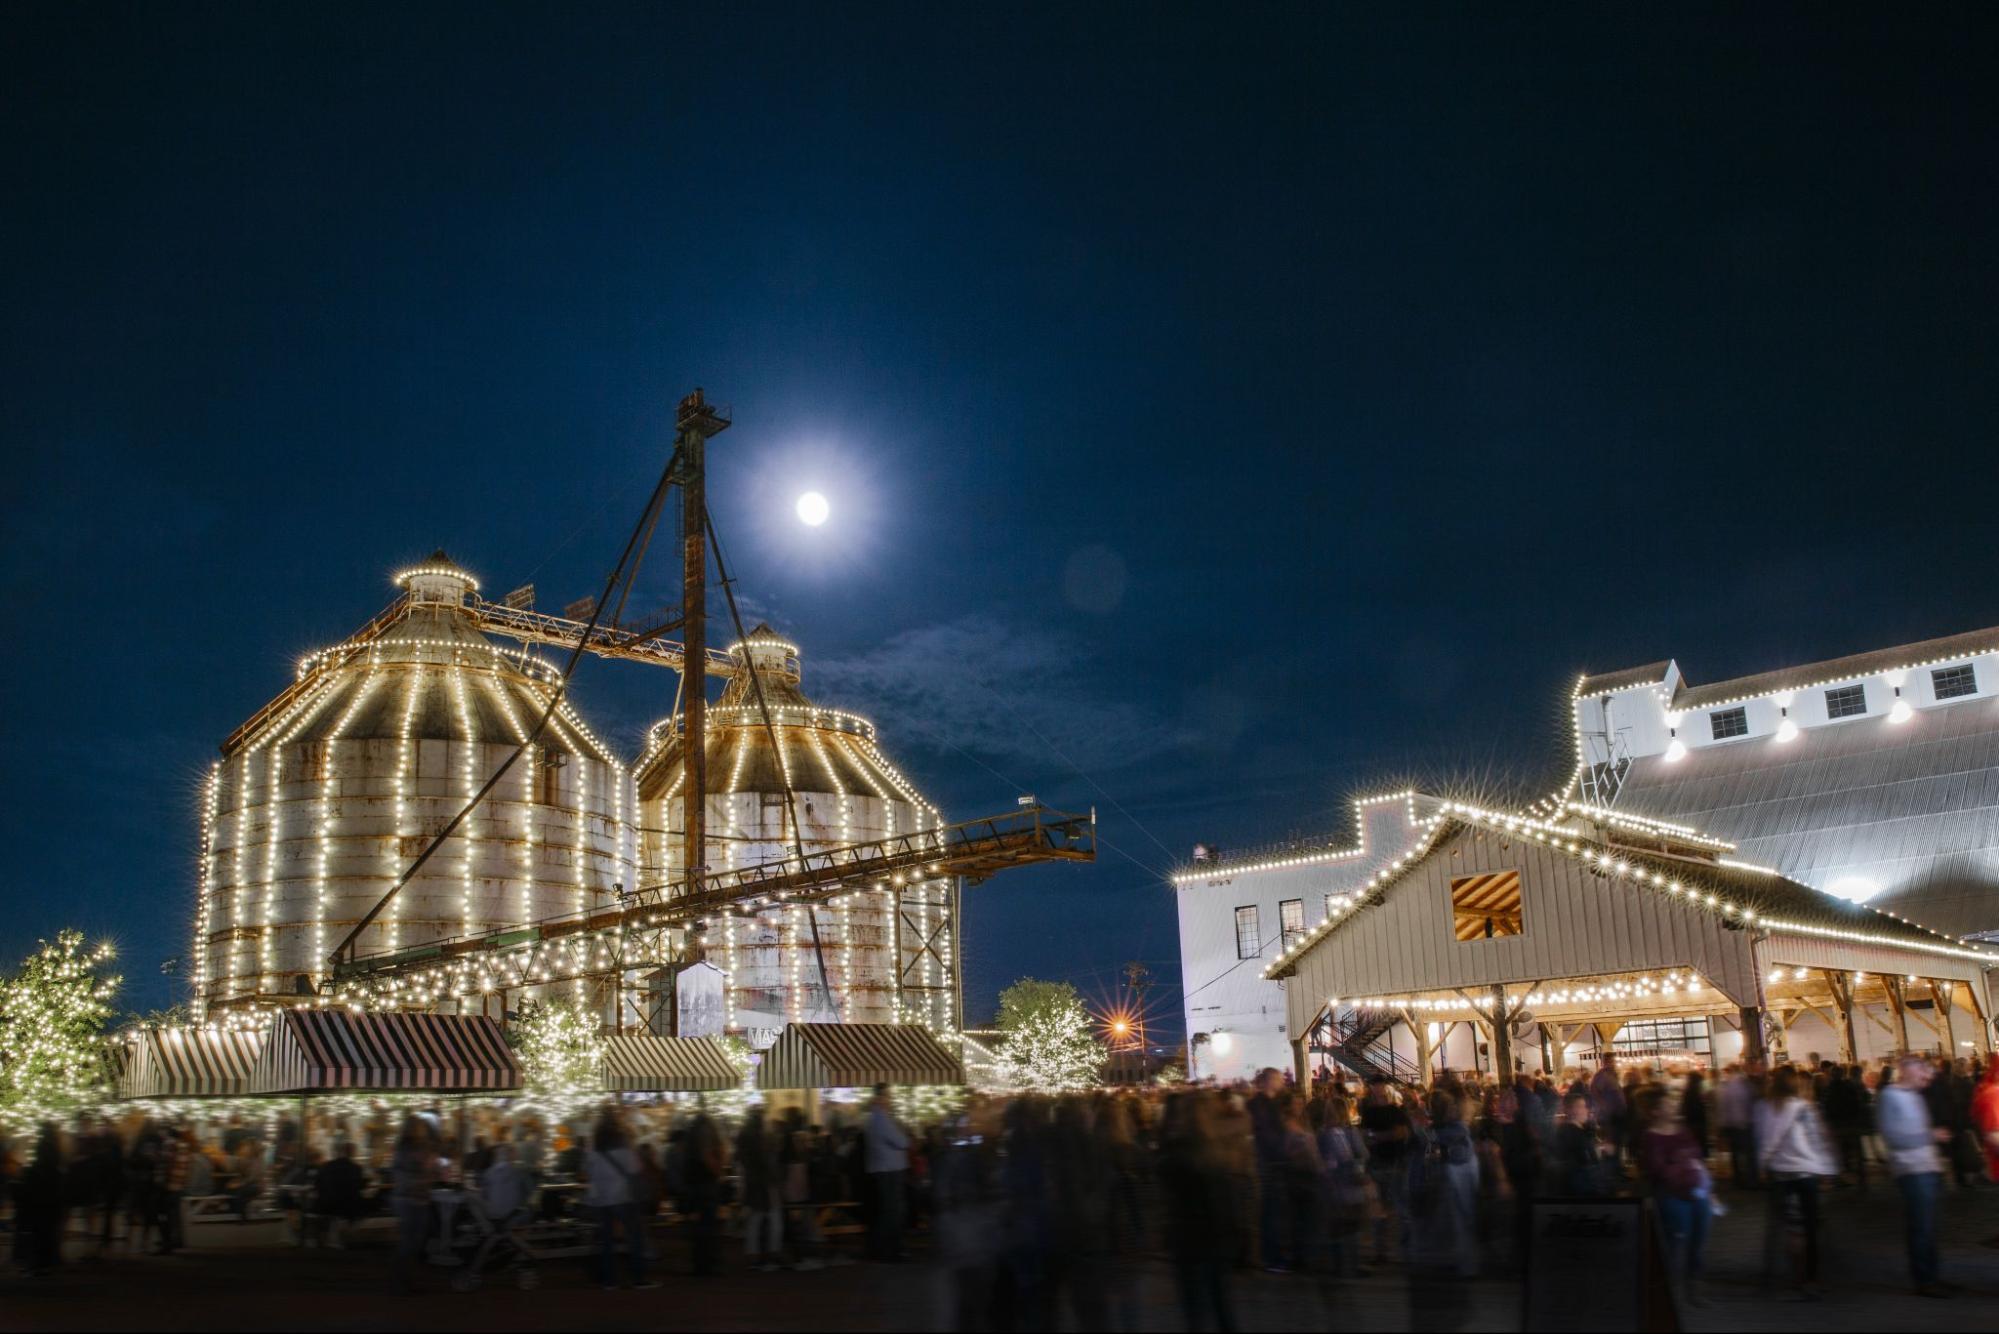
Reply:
x=846, y=1056
x=647, y=1064
x=190, y=1063
x=313, y=1050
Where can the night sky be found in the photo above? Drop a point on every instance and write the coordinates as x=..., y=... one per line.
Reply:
x=1223, y=412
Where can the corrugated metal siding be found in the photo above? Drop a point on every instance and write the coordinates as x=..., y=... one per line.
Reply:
x=1912, y=808
x=1575, y=924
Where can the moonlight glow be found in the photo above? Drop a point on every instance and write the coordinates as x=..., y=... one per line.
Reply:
x=813, y=509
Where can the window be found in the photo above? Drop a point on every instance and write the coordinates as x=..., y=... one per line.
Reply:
x=1954, y=682
x=1486, y=906
x=1725, y=723
x=1291, y=920
x=1846, y=702
x=1248, y=938
x=1664, y=1037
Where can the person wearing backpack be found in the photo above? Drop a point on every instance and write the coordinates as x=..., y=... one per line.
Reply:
x=1796, y=1153
x=1670, y=1158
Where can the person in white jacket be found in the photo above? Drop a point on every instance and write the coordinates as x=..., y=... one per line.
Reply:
x=1795, y=1152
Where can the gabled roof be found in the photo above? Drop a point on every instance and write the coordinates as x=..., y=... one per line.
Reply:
x=1753, y=896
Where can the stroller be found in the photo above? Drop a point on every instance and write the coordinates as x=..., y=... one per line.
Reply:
x=519, y=1240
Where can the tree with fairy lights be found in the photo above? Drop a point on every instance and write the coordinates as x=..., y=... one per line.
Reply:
x=1050, y=1044
x=561, y=1049
x=53, y=1009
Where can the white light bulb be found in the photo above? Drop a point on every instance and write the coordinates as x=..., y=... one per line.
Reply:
x=1901, y=713
x=1676, y=752
x=813, y=509
x=1787, y=731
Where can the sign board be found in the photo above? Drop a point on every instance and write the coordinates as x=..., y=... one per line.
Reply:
x=699, y=1011
x=1587, y=1267
x=521, y=599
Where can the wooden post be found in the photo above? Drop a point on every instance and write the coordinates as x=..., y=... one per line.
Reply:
x=1842, y=999
x=1753, y=1050
x=1502, y=1037
x=1974, y=992
x=1899, y=1004
x=1940, y=994
x=1425, y=1052
x=1299, y=1063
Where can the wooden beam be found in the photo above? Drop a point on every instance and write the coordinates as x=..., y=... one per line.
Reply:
x=1842, y=999
x=1940, y=992
x=1899, y=1004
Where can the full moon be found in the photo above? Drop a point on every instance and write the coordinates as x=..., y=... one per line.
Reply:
x=813, y=509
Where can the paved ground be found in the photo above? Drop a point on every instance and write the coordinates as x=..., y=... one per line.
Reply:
x=246, y=1278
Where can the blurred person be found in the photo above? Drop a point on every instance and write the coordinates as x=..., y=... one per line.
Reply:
x=1841, y=1100
x=763, y=1210
x=612, y=1172
x=1201, y=1210
x=1345, y=1192
x=1795, y=1153
x=1671, y=1162
x=1441, y=1198
x=1387, y=1128
x=888, y=1171
x=1902, y=1114
x=40, y=1196
x=1301, y=1179
x=1985, y=1117
x=1694, y=1112
x=413, y=1169
x=337, y=1193
x=1607, y=1097
x=1267, y=1131
x=703, y=1162
x=248, y=1166
x=1081, y=1207
x=1735, y=1103
x=1579, y=1166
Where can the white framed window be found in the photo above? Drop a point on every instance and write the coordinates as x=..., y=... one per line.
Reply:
x=1846, y=702
x=1248, y=933
x=1725, y=723
x=1291, y=921
x=1954, y=682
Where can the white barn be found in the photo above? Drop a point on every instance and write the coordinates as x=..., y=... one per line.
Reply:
x=1873, y=778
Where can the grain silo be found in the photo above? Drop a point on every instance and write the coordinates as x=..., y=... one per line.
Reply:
x=323, y=799
x=890, y=950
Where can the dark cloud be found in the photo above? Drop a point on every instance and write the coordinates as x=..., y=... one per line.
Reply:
x=1010, y=693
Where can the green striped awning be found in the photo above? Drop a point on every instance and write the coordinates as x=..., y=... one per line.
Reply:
x=645, y=1064
x=852, y=1056
x=190, y=1063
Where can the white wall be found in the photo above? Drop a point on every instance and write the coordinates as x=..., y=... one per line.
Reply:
x=1223, y=994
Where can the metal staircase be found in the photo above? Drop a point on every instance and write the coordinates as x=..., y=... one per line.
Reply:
x=1354, y=1039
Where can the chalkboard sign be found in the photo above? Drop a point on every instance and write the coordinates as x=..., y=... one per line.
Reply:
x=1594, y=1265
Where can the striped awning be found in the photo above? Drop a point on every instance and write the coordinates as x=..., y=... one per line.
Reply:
x=848, y=1056
x=646, y=1064
x=312, y=1050
x=189, y=1063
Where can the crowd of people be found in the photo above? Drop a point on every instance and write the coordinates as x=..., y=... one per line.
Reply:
x=1043, y=1209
